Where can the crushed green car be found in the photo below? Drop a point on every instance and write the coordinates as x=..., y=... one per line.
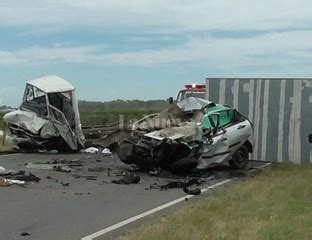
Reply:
x=194, y=133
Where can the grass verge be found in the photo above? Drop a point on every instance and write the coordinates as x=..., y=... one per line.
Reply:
x=5, y=147
x=93, y=118
x=274, y=205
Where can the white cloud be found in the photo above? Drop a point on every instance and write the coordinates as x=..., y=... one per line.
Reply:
x=160, y=15
x=273, y=48
x=8, y=58
x=58, y=53
x=282, y=50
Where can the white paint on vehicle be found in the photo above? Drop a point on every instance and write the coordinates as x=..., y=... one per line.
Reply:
x=251, y=99
x=295, y=124
x=265, y=119
x=257, y=117
x=222, y=91
x=150, y=212
x=281, y=116
x=235, y=92
x=207, y=89
x=250, y=89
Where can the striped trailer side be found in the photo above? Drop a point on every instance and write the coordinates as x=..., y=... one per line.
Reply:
x=280, y=109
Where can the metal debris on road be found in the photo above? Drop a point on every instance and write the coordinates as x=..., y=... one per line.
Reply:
x=91, y=150
x=128, y=178
x=194, y=192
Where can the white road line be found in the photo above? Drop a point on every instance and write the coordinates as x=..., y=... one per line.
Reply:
x=133, y=219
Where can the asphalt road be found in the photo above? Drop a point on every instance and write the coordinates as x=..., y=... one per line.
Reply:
x=49, y=210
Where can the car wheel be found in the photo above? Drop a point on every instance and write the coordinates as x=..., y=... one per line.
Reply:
x=240, y=158
x=125, y=153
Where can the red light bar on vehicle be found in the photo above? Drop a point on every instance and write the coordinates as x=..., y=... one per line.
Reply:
x=195, y=86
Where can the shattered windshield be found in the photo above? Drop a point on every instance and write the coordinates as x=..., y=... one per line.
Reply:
x=34, y=100
x=187, y=94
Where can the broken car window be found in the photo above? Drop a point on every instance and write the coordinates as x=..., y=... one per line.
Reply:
x=34, y=100
x=63, y=102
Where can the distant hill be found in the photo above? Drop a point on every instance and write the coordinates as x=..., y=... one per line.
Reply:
x=5, y=109
x=121, y=105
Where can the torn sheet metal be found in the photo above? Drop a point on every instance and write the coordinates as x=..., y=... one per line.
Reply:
x=30, y=121
x=48, y=117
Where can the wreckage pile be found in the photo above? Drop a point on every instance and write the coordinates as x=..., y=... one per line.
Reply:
x=9, y=177
x=194, y=133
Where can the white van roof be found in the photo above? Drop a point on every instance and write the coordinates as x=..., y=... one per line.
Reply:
x=52, y=84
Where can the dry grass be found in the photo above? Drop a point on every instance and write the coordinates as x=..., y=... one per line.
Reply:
x=275, y=205
x=4, y=146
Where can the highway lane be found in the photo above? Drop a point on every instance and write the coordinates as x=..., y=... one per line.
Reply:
x=49, y=210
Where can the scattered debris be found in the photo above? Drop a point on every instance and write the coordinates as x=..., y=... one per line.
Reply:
x=64, y=169
x=194, y=192
x=94, y=150
x=155, y=172
x=65, y=184
x=25, y=234
x=129, y=178
x=178, y=184
x=4, y=182
x=40, y=166
x=50, y=166
x=27, y=178
x=4, y=171
x=97, y=169
x=93, y=178
x=17, y=182
x=106, y=151
x=91, y=150
x=8, y=182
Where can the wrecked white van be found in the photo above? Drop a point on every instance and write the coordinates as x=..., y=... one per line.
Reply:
x=48, y=117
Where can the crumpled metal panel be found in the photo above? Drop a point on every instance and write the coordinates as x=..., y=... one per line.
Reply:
x=193, y=104
x=31, y=122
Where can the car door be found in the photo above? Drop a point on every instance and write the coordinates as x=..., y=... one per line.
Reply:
x=238, y=131
x=216, y=149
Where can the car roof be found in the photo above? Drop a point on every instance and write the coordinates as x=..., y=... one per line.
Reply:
x=52, y=84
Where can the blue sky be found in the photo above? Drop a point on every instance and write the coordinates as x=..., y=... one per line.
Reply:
x=150, y=49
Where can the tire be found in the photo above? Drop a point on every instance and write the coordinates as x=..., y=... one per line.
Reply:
x=240, y=158
x=125, y=153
